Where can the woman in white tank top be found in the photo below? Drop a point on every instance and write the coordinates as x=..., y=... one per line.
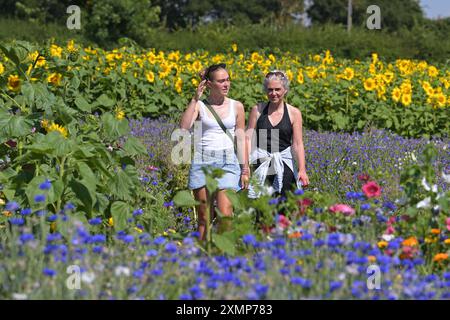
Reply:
x=212, y=146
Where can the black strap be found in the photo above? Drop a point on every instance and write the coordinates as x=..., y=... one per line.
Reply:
x=219, y=121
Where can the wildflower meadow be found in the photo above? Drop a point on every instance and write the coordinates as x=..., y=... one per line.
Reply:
x=92, y=205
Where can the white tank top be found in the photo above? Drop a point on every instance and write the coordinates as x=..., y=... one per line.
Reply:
x=213, y=137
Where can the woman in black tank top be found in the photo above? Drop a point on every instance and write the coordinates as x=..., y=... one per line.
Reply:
x=276, y=131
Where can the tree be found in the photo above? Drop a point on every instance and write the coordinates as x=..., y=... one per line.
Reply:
x=109, y=20
x=394, y=14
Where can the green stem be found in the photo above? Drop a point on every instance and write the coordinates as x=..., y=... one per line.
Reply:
x=61, y=175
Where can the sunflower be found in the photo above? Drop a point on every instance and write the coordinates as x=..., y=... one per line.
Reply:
x=396, y=94
x=13, y=83
x=369, y=84
x=54, y=78
x=406, y=99
x=150, y=77
x=58, y=128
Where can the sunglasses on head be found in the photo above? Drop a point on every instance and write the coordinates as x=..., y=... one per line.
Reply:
x=213, y=68
x=276, y=73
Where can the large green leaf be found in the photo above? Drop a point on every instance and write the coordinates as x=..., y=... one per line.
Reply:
x=82, y=104
x=120, y=212
x=184, y=198
x=224, y=244
x=134, y=147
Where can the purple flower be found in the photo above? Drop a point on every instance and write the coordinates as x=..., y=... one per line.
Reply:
x=299, y=192
x=168, y=204
x=49, y=272
x=12, y=206
x=46, y=185
x=25, y=212
x=138, y=212
x=69, y=206
x=17, y=221
x=95, y=221
x=249, y=239
x=39, y=198
x=171, y=247
x=26, y=237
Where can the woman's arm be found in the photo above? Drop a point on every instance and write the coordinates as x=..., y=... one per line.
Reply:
x=241, y=144
x=191, y=113
x=252, y=119
x=297, y=143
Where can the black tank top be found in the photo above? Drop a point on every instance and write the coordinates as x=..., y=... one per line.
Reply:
x=284, y=127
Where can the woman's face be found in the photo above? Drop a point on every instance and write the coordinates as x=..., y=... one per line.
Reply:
x=275, y=90
x=220, y=82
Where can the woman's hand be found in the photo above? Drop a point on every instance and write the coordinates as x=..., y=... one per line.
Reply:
x=303, y=177
x=244, y=181
x=201, y=87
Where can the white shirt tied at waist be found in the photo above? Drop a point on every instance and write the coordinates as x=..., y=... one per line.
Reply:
x=261, y=172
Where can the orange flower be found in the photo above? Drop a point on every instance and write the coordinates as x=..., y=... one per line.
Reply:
x=410, y=242
x=440, y=257
x=382, y=244
x=296, y=234
x=372, y=259
x=435, y=231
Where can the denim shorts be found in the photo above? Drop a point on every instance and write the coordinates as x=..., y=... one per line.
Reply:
x=223, y=159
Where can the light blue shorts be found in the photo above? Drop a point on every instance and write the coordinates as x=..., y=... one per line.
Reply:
x=223, y=159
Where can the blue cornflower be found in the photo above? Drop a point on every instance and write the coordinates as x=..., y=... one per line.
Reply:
x=187, y=220
x=299, y=192
x=128, y=238
x=319, y=243
x=26, y=237
x=188, y=241
x=41, y=213
x=196, y=292
x=155, y=183
x=249, y=239
x=39, y=198
x=306, y=237
x=390, y=205
x=54, y=237
x=273, y=201
x=95, y=221
x=334, y=285
x=49, y=272
x=212, y=284
x=159, y=240
x=318, y=210
x=52, y=218
x=171, y=247
x=12, y=206
x=305, y=283
x=17, y=221
x=46, y=185
x=195, y=234
x=365, y=206
x=138, y=212
x=97, y=249
x=98, y=238
x=69, y=206
x=350, y=195
x=168, y=204
x=25, y=212
x=138, y=274
x=185, y=296
x=152, y=253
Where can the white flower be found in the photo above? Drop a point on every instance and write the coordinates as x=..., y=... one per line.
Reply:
x=354, y=163
x=425, y=203
x=19, y=296
x=88, y=277
x=426, y=186
x=120, y=270
x=446, y=177
x=387, y=237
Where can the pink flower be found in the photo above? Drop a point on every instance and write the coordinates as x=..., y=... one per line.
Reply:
x=390, y=230
x=447, y=221
x=283, y=221
x=342, y=208
x=363, y=177
x=152, y=168
x=371, y=189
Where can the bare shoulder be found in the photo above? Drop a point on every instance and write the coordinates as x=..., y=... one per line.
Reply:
x=239, y=105
x=294, y=113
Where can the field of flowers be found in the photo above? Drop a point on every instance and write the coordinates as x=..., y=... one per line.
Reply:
x=92, y=206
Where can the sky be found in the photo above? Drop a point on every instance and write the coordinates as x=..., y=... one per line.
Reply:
x=436, y=8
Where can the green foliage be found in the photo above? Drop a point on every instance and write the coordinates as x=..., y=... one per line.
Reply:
x=110, y=20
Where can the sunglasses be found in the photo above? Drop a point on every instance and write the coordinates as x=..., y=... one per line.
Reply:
x=276, y=73
x=213, y=68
